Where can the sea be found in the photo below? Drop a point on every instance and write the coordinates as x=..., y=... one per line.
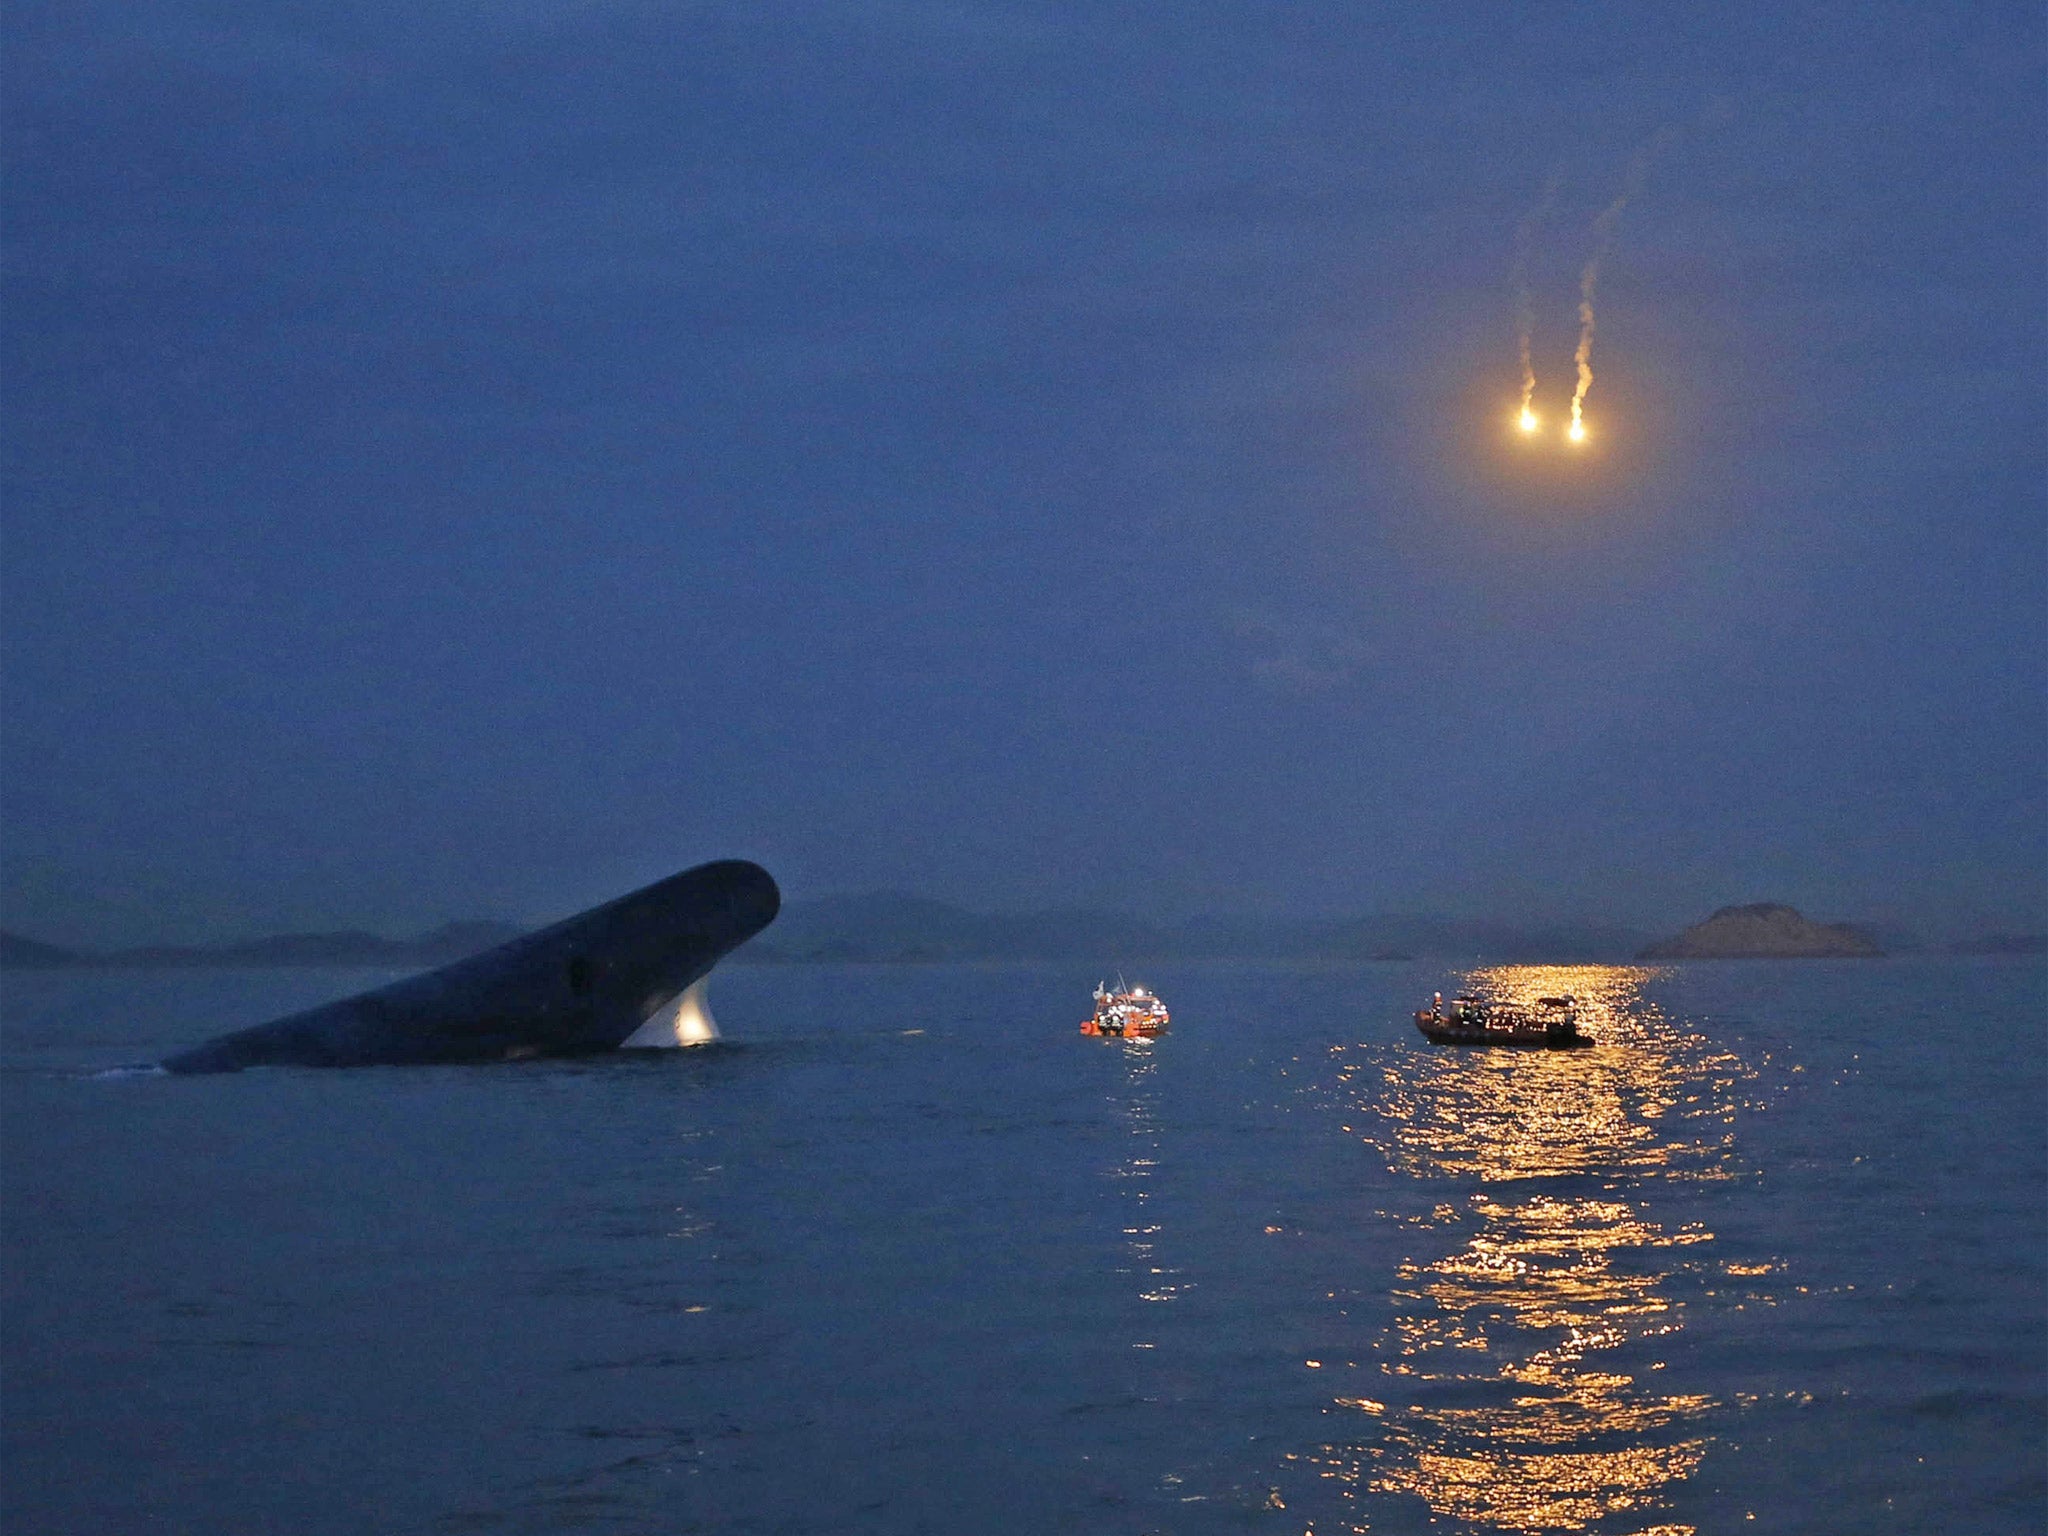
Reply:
x=907, y=1253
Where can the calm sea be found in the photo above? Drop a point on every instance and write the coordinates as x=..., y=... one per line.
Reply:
x=909, y=1254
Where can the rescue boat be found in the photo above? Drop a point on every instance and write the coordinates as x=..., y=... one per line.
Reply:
x=1551, y=1023
x=1126, y=1012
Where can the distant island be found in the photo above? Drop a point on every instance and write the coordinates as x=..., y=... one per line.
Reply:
x=451, y=941
x=1764, y=930
x=2005, y=944
x=888, y=928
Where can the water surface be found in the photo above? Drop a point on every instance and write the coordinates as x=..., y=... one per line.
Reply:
x=910, y=1254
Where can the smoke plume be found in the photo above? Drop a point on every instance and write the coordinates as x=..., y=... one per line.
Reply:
x=1518, y=275
x=1589, y=279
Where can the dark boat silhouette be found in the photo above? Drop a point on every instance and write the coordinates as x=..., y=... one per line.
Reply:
x=1552, y=1023
x=627, y=973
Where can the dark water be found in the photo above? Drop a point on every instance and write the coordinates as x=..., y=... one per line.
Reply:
x=912, y=1255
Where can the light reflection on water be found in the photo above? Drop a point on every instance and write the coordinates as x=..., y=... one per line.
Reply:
x=1135, y=1170
x=1520, y=1369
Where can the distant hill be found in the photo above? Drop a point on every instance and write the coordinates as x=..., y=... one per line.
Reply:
x=888, y=926
x=1763, y=930
x=452, y=941
x=1373, y=937
x=2003, y=944
x=29, y=954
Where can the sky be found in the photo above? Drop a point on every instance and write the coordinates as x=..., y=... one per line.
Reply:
x=468, y=460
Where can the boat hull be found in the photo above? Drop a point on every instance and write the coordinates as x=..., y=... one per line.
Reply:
x=1123, y=1032
x=586, y=984
x=1529, y=1037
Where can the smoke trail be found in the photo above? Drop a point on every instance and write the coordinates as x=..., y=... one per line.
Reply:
x=1525, y=303
x=1589, y=279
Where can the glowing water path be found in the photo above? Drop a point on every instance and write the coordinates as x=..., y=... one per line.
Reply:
x=1520, y=1385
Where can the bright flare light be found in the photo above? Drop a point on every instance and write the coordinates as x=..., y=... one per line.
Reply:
x=1576, y=432
x=1528, y=422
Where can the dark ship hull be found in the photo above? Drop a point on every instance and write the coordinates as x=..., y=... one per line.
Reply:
x=586, y=984
x=1442, y=1031
x=1552, y=1025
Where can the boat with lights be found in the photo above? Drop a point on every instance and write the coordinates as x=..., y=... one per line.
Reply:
x=1126, y=1012
x=1551, y=1023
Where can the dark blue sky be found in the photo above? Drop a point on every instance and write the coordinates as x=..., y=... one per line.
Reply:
x=470, y=459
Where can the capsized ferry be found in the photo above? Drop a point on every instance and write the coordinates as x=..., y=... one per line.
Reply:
x=1553, y=1023
x=1128, y=1011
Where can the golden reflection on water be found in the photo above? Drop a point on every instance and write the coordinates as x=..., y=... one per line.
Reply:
x=1642, y=1101
x=1520, y=1369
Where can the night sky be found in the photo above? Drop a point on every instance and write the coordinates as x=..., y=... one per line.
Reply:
x=466, y=460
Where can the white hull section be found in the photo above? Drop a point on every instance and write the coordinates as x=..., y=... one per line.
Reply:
x=686, y=1021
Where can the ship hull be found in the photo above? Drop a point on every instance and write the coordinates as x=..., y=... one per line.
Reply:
x=589, y=983
x=1119, y=1032
x=1534, y=1037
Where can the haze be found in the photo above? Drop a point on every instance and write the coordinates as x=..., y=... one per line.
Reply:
x=472, y=460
